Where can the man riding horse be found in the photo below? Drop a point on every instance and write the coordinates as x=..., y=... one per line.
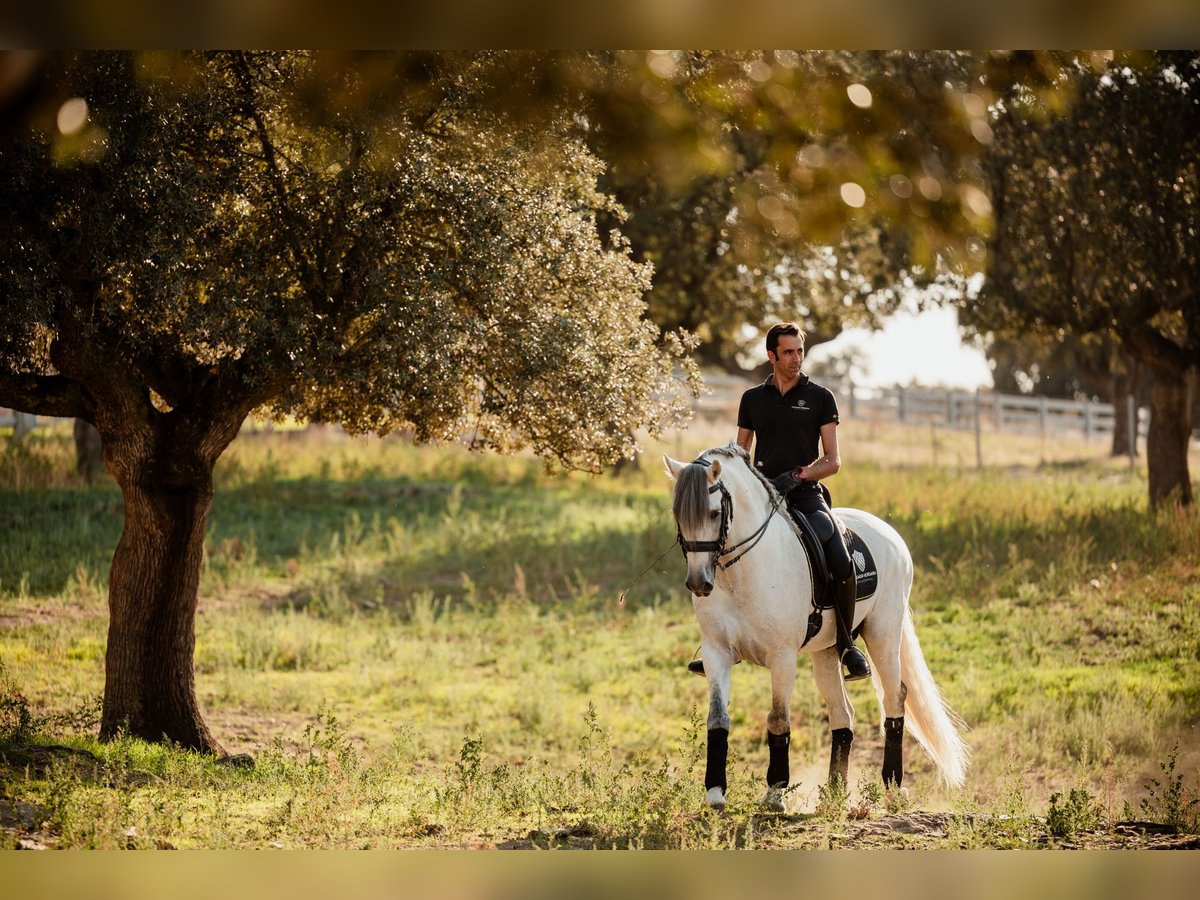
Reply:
x=789, y=415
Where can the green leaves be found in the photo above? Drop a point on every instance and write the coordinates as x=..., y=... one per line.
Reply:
x=289, y=231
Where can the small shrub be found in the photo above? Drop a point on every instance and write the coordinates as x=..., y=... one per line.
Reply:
x=832, y=800
x=1170, y=802
x=17, y=721
x=1078, y=812
x=467, y=777
x=897, y=800
x=871, y=794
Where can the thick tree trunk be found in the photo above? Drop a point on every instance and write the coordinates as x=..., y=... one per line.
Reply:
x=1167, y=442
x=1122, y=386
x=1129, y=377
x=149, y=689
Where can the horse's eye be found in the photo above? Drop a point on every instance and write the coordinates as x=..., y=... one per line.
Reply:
x=714, y=514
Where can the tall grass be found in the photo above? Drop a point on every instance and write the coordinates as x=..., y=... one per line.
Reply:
x=422, y=646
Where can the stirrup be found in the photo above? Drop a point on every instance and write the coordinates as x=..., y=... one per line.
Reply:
x=856, y=665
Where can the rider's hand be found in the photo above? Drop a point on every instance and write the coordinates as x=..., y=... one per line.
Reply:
x=785, y=482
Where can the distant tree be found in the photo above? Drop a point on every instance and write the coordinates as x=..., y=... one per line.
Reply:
x=738, y=171
x=1071, y=367
x=1097, y=213
x=363, y=241
x=89, y=451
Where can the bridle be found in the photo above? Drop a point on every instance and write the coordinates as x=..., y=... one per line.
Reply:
x=717, y=547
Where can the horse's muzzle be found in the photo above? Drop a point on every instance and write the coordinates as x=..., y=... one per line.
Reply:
x=699, y=586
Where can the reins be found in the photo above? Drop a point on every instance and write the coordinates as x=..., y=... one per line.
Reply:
x=621, y=596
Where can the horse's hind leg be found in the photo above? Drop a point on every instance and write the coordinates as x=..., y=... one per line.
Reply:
x=779, y=727
x=884, y=647
x=827, y=670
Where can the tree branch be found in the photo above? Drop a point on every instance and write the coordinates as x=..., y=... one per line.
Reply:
x=1160, y=353
x=249, y=104
x=44, y=395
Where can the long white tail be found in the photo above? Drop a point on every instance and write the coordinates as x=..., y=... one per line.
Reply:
x=933, y=723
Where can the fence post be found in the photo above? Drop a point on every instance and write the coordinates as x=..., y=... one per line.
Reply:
x=23, y=423
x=853, y=400
x=951, y=412
x=1131, y=422
x=1042, y=415
x=978, y=431
x=1087, y=419
x=902, y=404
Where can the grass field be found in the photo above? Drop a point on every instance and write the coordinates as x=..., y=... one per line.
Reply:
x=421, y=647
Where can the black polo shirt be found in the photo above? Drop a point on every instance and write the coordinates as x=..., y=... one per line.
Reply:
x=787, y=429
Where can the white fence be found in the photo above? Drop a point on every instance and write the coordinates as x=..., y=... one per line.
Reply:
x=970, y=411
x=21, y=423
x=939, y=408
x=942, y=408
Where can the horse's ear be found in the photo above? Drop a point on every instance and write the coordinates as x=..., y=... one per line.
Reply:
x=673, y=466
x=714, y=471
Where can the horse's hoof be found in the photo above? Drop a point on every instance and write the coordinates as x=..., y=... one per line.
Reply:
x=715, y=798
x=772, y=800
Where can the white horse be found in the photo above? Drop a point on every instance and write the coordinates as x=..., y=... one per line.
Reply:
x=752, y=592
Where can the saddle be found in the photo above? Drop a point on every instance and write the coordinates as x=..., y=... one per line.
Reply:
x=866, y=575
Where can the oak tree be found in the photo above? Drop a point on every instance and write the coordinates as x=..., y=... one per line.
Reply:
x=1097, y=217
x=767, y=185
x=193, y=237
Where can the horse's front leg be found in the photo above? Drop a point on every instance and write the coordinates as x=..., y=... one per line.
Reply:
x=718, y=663
x=779, y=728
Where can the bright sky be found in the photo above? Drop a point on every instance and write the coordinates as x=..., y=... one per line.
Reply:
x=912, y=349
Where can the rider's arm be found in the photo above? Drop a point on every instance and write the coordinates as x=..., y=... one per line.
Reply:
x=829, y=464
x=745, y=439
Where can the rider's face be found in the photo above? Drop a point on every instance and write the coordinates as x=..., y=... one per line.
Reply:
x=788, y=356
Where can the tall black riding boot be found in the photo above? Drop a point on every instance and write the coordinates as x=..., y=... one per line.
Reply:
x=852, y=658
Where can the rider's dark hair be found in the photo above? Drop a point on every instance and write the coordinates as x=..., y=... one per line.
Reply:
x=780, y=329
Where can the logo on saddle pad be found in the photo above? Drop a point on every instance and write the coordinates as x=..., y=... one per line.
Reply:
x=866, y=577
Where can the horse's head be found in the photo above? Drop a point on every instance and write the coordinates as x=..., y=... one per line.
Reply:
x=698, y=516
x=705, y=492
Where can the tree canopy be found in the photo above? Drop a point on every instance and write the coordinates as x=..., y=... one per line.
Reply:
x=212, y=240
x=767, y=185
x=1097, y=215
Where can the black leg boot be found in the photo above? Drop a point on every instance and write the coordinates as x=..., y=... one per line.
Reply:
x=839, y=757
x=893, y=751
x=778, y=772
x=852, y=658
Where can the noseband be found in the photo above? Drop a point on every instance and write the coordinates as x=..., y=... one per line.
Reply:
x=717, y=547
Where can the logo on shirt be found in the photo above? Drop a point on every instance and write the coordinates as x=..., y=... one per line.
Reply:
x=800, y=404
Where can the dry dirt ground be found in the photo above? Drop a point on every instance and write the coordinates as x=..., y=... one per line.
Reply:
x=25, y=825
x=912, y=831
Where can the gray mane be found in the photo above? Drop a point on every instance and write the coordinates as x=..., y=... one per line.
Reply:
x=691, y=489
x=691, y=498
